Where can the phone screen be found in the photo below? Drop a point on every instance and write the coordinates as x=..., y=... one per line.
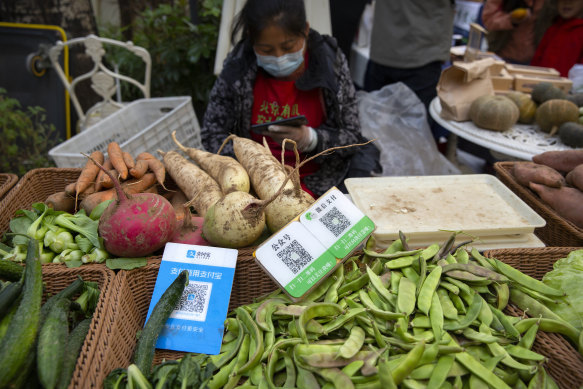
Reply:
x=296, y=121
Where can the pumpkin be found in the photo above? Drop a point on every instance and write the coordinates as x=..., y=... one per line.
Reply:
x=576, y=98
x=496, y=113
x=552, y=113
x=544, y=91
x=571, y=134
x=526, y=107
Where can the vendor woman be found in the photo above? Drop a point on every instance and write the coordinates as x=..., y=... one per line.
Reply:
x=281, y=68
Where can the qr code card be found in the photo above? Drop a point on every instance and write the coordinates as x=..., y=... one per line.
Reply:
x=295, y=259
x=337, y=223
x=194, y=302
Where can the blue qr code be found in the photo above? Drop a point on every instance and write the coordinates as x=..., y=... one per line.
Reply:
x=294, y=256
x=194, y=298
x=335, y=221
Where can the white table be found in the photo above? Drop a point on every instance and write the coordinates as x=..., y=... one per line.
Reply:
x=522, y=141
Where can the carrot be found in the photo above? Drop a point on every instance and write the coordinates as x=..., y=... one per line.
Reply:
x=61, y=201
x=139, y=169
x=575, y=177
x=131, y=186
x=526, y=172
x=89, y=172
x=155, y=165
x=107, y=182
x=128, y=159
x=145, y=155
x=116, y=156
x=562, y=160
x=226, y=171
x=566, y=201
x=101, y=176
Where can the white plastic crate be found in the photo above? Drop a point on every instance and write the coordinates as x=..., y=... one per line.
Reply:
x=143, y=125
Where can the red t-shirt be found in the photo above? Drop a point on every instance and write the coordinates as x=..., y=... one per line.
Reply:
x=274, y=99
x=561, y=46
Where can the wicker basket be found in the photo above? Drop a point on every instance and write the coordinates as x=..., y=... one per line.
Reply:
x=7, y=181
x=558, y=231
x=35, y=186
x=564, y=363
x=56, y=279
x=132, y=302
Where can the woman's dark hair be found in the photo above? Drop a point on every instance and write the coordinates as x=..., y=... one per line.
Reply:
x=256, y=15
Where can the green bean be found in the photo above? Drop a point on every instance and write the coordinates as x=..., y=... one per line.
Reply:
x=400, y=262
x=410, y=273
x=445, y=248
x=395, y=279
x=436, y=317
x=461, y=285
x=476, y=367
x=539, y=380
x=497, y=350
x=370, y=363
x=457, y=302
x=290, y=370
x=367, y=302
x=430, y=251
x=377, y=284
x=502, y=295
x=509, y=329
x=479, y=336
x=315, y=361
x=361, y=281
x=332, y=292
x=526, y=280
x=532, y=306
x=422, y=274
x=440, y=372
x=290, y=310
x=449, y=310
x=485, y=315
x=523, y=353
x=408, y=364
x=476, y=382
x=222, y=376
x=428, y=289
x=466, y=276
x=257, y=337
x=471, y=315
x=461, y=255
x=475, y=270
x=483, y=261
x=262, y=311
x=339, y=321
x=429, y=354
x=449, y=259
x=242, y=360
x=536, y=295
x=406, y=296
x=450, y=287
x=401, y=330
x=529, y=337
x=352, y=368
x=395, y=255
x=420, y=321
x=413, y=384
x=316, y=310
x=231, y=354
x=353, y=344
x=256, y=375
x=385, y=375
x=379, y=339
x=380, y=303
x=550, y=325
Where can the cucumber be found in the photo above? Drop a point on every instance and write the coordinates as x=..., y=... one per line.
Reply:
x=50, y=351
x=144, y=353
x=10, y=271
x=5, y=321
x=8, y=295
x=24, y=325
x=74, y=345
x=66, y=293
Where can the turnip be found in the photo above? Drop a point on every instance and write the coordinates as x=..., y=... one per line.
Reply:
x=226, y=171
x=136, y=225
x=233, y=220
x=189, y=229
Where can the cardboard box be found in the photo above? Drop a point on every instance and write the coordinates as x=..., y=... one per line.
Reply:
x=502, y=81
x=525, y=83
x=532, y=70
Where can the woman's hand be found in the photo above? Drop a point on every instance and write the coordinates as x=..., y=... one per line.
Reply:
x=304, y=136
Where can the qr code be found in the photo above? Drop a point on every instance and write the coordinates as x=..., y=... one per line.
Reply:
x=194, y=301
x=294, y=256
x=335, y=221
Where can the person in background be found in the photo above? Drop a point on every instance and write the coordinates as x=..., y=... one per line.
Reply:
x=345, y=16
x=281, y=68
x=513, y=29
x=410, y=42
x=562, y=44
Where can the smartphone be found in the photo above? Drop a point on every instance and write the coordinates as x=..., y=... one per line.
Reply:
x=296, y=121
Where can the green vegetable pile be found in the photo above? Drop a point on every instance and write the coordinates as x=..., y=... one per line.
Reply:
x=40, y=343
x=427, y=318
x=63, y=237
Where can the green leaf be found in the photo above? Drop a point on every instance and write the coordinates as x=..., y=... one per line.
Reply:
x=73, y=263
x=125, y=263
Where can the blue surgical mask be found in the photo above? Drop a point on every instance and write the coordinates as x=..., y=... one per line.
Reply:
x=281, y=66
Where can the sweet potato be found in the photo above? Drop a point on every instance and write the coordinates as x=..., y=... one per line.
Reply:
x=155, y=165
x=130, y=186
x=561, y=160
x=61, y=201
x=575, y=177
x=566, y=201
x=526, y=172
x=128, y=159
x=139, y=169
x=115, y=154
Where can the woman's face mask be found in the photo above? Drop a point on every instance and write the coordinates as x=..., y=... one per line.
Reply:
x=281, y=66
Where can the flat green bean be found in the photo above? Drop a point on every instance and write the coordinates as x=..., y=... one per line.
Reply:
x=385, y=375
x=406, y=296
x=400, y=262
x=398, y=254
x=428, y=289
x=408, y=364
x=526, y=280
x=449, y=310
x=316, y=310
x=368, y=303
x=332, y=292
x=441, y=370
x=353, y=344
x=257, y=338
x=436, y=317
x=471, y=315
x=377, y=284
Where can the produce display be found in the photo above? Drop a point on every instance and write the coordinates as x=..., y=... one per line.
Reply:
x=555, y=176
x=40, y=343
x=432, y=317
x=549, y=107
